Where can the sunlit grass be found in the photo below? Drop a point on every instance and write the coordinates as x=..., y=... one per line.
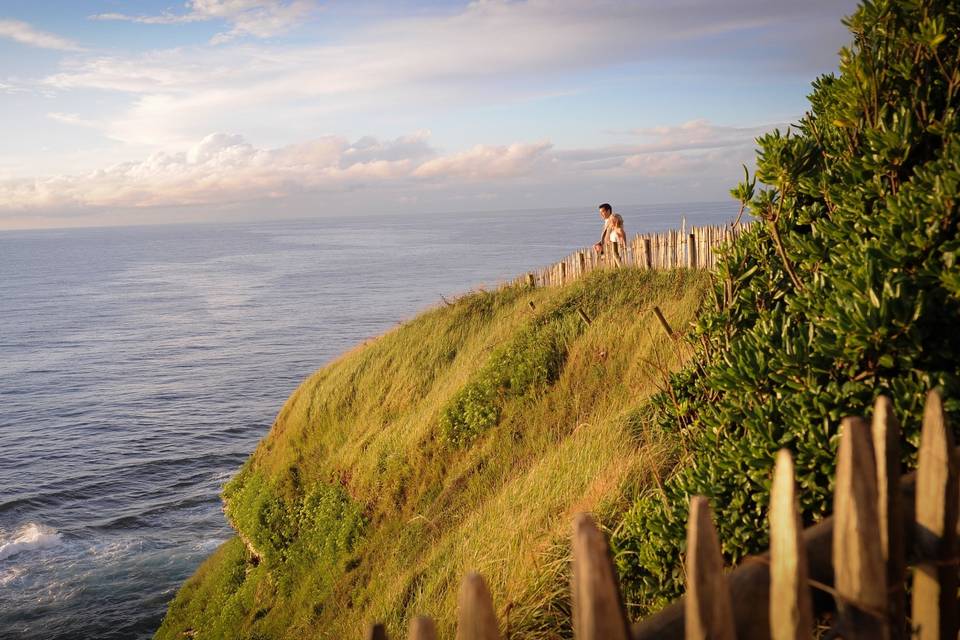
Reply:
x=500, y=503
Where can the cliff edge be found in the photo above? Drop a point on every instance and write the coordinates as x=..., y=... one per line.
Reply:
x=463, y=440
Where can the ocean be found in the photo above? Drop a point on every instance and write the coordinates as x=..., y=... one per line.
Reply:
x=140, y=366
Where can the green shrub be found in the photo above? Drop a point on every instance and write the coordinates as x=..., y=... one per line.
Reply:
x=846, y=287
x=259, y=514
x=214, y=602
x=329, y=525
x=527, y=365
x=473, y=410
x=319, y=527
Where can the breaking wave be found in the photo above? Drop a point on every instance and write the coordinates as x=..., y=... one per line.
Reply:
x=28, y=538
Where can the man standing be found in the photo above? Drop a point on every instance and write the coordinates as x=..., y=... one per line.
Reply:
x=606, y=212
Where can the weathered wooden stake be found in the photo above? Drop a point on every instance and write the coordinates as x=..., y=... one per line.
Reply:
x=791, y=611
x=860, y=574
x=935, y=537
x=708, y=610
x=376, y=632
x=476, y=619
x=664, y=323
x=886, y=451
x=598, y=612
x=422, y=628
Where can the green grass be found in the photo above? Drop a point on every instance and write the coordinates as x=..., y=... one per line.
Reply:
x=463, y=440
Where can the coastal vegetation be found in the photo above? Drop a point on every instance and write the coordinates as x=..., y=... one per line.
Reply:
x=464, y=439
x=467, y=438
x=846, y=288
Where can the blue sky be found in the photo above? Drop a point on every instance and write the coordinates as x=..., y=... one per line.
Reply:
x=117, y=112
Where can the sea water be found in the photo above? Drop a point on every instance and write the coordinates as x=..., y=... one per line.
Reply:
x=140, y=366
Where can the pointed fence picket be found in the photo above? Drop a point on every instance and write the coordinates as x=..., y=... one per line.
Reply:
x=857, y=557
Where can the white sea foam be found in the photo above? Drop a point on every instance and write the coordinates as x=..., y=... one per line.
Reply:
x=28, y=537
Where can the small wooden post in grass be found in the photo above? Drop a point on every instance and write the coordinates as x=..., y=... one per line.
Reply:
x=563, y=273
x=476, y=619
x=422, y=628
x=582, y=260
x=935, y=537
x=886, y=451
x=376, y=632
x=598, y=612
x=708, y=610
x=647, y=254
x=860, y=574
x=663, y=322
x=791, y=611
x=691, y=252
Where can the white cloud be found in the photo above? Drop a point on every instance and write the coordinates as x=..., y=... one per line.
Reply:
x=220, y=168
x=258, y=18
x=485, y=162
x=6, y=87
x=225, y=168
x=674, y=149
x=72, y=119
x=26, y=34
x=487, y=52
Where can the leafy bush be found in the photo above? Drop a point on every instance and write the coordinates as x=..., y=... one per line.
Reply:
x=531, y=362
x=473, y=410
x=318, y=528
x=260, y=515
x=846, y=287
x=329, y=523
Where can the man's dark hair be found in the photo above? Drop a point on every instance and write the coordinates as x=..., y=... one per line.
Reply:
x=606, y=207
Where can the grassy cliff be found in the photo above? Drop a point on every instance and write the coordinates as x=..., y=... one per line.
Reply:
x=463, y=440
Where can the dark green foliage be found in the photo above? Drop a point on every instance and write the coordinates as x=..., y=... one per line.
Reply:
x=259, y=514
x=214, y=602
x=329, y=525
x=846, y=287
x=316, y=529
x=529, y=363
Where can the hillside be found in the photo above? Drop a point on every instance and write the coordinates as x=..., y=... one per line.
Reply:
x=463, y=439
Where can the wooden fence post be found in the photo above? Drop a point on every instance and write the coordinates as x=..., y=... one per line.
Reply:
x=476, y=619
x=886, y=451
x=791, y=611
x=691, y=252
x=422, y=628
x=598, y=612
x=860, y=575
x=647, y=254
x=563, y=273
x=935, y=537
x=663, y=323
x=708, y=610
x=582, y=260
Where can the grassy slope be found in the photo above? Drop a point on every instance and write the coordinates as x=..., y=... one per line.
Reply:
x=362, y=436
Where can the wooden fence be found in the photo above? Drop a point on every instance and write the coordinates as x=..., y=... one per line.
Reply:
x=850, y=569
x=693, y=248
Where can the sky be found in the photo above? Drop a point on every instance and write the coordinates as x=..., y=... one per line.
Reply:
x=142, y=112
